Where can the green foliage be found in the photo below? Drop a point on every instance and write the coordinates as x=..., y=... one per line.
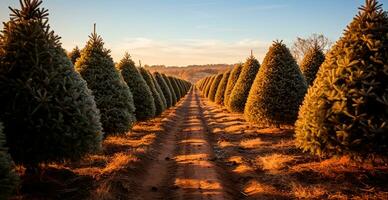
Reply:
x=219, y=99
x=311, y=62
x=8, y=177
x=48, y=112
x=277, y=91
x=74, y=55
x=239, y=95
x=175, y=87
x=159, y=90
x=232, y=80
x=214, y=87
x=173, y=95
x=345, y=112
x=112, y=95
x=165, y=89
x=208, y=86
x=159, y=105
x=142, y=95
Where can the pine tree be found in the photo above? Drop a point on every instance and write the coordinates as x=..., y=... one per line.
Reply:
x=159, y=106
x=166, y=90
x=232, y=80
x=239, y=95
x=311, y=63
x=345, y=111
x=214, y=87
x=277, y=91
x=74, y=55
x=159, y=89
x=208, y=86
x=142, y=95
x=173, y=95
x=219, y=99
x=8, y=178
x=47, y=110
x=112, y=95
x=175, y=87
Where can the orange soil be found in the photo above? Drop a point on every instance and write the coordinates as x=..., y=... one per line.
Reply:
x=197, y=150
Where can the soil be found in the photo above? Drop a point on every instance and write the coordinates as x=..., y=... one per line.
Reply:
x=198, y=150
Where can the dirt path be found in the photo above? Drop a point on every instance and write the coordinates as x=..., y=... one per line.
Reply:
x=185, y=167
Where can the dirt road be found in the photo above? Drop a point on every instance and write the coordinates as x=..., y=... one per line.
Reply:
x=208, y=153
x=198, y=150
x=185, y=167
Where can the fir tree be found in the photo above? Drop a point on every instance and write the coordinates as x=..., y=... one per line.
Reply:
x=214, y=87
x=159, y=89
x=175, y=87
x=234, y=74
x=74, y=55
x=159, y=106
x=173, y=95
x=112, y=95
x=208, y=86
x=166, y=90
x=219, y=99
x=311, y=63
x=239, y=95
x=142, y=95
x=48, y=112
x=345, y=111
x=8, y=178
x=277, y=91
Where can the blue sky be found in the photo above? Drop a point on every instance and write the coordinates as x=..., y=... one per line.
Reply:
x=182, y=32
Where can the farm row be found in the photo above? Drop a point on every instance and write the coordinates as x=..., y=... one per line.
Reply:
x=52, y=111
x=337, y=102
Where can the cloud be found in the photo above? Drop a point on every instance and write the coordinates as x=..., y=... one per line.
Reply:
x=181, y=52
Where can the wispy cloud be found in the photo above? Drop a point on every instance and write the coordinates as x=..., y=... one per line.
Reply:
x=182, y=52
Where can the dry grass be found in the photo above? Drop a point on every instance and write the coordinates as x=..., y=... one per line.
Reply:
x=119, y=161
x=254, y=187
x=273, y=162
x=251, y=143
x=308, y=192
x=268, y=165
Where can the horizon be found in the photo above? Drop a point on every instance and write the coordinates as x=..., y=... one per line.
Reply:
x=181, y=33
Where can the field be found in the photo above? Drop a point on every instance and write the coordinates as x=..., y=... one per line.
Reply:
x=198, y=150
x=306, y=121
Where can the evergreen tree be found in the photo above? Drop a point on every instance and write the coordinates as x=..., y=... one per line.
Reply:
x=345, y=111
x=239, y=95
x=142, y=95
x=8, y=178
x=219, y=99
x=214, y=86
x=47, y=110
x=175, y=87
x=112, y=95
x=74, y=55
x=166, y=90
x=159, y=89
x=173, y=95
x=311, y=63
x=208, y=86
x=159, y=106
x=277, y=91
x=232, y=80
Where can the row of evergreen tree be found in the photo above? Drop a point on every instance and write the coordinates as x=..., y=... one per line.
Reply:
x=338, y=102
x=52, y=111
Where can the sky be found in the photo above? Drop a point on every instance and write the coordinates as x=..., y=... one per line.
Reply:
x=184, y=32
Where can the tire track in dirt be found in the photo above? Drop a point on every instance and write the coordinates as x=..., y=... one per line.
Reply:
x=185, y=167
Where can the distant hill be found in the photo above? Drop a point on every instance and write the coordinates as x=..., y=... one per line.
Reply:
x=192, y=73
